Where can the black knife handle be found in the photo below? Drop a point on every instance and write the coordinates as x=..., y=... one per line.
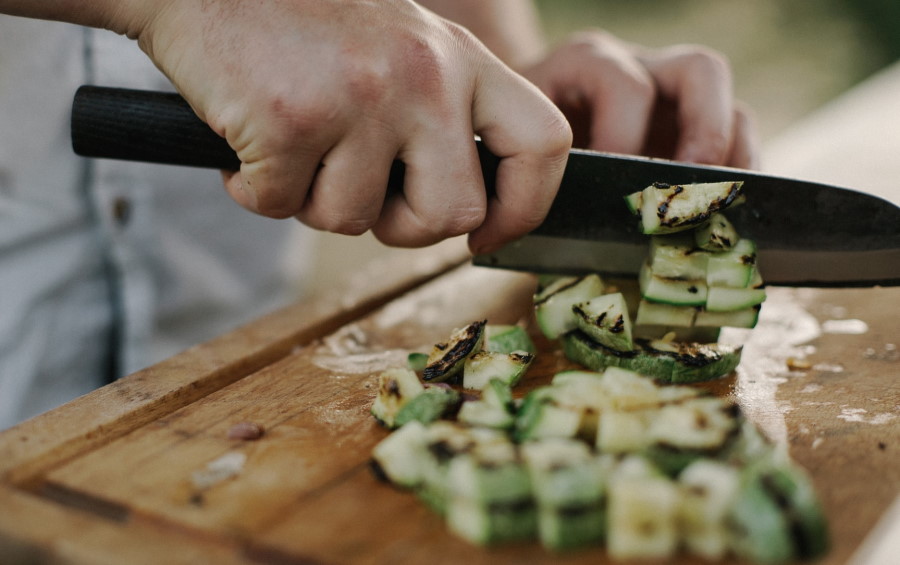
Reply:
x=161, y=127
x=136, y=125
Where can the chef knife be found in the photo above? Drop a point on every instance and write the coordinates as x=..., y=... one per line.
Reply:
x=808, y=234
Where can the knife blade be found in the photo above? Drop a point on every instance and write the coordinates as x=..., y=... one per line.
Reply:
x=808, y=234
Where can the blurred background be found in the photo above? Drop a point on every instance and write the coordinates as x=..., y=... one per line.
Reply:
x=790, y=58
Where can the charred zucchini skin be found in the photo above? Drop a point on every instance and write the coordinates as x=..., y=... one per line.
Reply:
x=703, y=363
x=448, y=361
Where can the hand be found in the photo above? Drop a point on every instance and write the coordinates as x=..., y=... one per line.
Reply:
x=318, y=97
x=675, y=102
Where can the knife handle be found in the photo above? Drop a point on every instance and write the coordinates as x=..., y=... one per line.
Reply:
x=161, y=127
x=137, y=125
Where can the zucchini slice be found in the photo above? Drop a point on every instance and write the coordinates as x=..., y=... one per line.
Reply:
x=398, y=457
x=666, y=362
x=447, y=359
x=507, y=339
x=633, y=202
x=496, y=409
x=541, y=417
x=642, y=517
x=708, y=489
x=734, y=268
x=671, y=208
x=553, y=305
x=605, y=318
x=720, y=299
x=490, y=495
x=744, y=318
x=676, y=257
x=482, y=367
x=655, y=314
x=676, y=292
x=568, y=485
x=431, y=404
x=396, y=388
x=716, y=235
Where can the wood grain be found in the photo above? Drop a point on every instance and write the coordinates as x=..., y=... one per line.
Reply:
x=305, y=494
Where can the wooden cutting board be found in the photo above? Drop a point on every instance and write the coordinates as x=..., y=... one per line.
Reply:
x=123, y=475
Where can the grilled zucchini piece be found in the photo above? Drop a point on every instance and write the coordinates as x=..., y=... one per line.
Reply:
x=398, y=457
x=784, y=497
x=447, y=359
x=568, y=484
x=396, y=387
x=496, y=408
x=642, y=513
x=671, y=208
x=431, y=404
x=490, y=495
x=676, y=292
x=482, y=367
x=734, y=268
x=553, y=305
x=655, y=314
x=716, y=235
x=708, y=489
x=664, y=361
x=508, y=339
x=676, y=257
x=540, y=417
x=605, y=318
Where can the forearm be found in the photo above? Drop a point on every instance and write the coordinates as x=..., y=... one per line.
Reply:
x=509, y=28
x=115, y=15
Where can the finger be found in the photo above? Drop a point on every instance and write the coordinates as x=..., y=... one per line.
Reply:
x=745, y=148
x=443, y=191
x=531, y=138
x=348, y=190
x=620, y=92
x=699, y=81
x=275, y=175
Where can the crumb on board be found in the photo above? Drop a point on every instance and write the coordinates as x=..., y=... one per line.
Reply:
x=795, y=364
x=248, y=431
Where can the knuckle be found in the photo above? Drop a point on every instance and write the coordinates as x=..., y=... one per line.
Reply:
x=706, y=62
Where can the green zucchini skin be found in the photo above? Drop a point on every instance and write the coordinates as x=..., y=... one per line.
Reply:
x=704, y=363
x=431, y=404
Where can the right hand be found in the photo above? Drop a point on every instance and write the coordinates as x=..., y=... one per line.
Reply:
x=318, y=97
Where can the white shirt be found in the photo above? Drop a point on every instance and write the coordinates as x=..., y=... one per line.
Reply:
x=106, y=265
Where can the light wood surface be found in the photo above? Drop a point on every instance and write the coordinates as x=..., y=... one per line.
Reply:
x=114, y=481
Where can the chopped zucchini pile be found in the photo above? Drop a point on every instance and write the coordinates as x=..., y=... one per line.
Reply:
x=699, y=276
x=609, y=459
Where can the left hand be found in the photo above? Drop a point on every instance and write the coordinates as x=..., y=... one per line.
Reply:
x=676, y=102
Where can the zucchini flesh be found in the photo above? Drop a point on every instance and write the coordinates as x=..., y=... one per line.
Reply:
x=396, y=387
x=676, y=292
x=605, y=318
x=507, y=339
x=722, y=299
x=716, y=235
x=655, y=314
x=480, y=368
x=734, y=268
x=553, y=306
x=675, y=256
x=642, y=518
